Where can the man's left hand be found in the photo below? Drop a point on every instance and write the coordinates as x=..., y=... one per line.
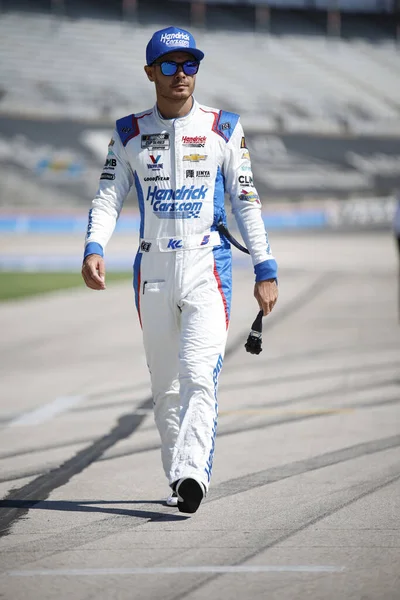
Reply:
x=266, y=294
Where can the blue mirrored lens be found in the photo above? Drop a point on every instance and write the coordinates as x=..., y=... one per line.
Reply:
x=169, y=68
x=190, y=67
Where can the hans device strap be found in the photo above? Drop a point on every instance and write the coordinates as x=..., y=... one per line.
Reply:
x=226, y=233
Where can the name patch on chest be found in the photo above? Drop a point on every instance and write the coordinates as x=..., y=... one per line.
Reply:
x=155, y=140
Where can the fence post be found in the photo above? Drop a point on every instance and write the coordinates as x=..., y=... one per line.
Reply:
x=263, y=18
x=334, y=20
x=129, y=10
x=58, y=8
x=198, y=13
x=396, y=10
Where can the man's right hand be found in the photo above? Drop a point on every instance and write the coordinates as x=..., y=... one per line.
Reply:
x=94, y=272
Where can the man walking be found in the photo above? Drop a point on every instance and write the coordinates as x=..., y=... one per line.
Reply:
x=182, y=157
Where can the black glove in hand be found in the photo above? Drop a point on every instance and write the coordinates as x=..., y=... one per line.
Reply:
x=253, y=344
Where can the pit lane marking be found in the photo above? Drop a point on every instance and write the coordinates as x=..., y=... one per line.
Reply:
x=46, y=412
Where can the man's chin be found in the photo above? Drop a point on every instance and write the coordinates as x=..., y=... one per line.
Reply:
x=180, y=94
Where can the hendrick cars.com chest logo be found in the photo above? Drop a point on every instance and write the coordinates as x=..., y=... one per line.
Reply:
x=182, y=203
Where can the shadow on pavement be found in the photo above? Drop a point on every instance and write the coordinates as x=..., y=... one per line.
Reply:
x=88, y=506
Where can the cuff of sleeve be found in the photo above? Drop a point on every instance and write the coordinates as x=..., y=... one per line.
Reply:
x=268, y=269
x=93, y=248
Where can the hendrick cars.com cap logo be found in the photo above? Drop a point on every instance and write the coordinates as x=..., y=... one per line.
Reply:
x=175, y=39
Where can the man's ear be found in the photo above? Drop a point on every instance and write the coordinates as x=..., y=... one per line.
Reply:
x=149, y=72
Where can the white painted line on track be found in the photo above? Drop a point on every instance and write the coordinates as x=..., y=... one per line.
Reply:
x=181, y=570
x=46, y=412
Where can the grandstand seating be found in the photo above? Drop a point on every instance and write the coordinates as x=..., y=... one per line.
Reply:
x=91, y=68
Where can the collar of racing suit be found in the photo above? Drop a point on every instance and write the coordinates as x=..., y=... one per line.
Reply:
x=178, y=121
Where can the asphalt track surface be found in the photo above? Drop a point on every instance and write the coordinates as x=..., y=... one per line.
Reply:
x=305, y=495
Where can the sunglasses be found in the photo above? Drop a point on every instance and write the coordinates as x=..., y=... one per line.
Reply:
x=170, y=67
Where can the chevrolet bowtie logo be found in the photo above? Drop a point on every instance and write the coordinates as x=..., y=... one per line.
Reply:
x=194, y=157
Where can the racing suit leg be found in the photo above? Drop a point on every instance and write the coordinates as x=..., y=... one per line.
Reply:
x=160, y=322
x=184, y=310
x=205, y=317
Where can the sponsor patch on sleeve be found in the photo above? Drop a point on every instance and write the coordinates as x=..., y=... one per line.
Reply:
x=110, y=163
x=249, y=196
x=246, y=180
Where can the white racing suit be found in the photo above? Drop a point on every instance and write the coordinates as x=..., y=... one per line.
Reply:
x=181, y=169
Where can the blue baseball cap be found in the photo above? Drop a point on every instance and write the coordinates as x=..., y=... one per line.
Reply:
x=171, y=39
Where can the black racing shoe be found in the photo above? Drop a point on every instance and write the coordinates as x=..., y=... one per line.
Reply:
x=190, y=494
